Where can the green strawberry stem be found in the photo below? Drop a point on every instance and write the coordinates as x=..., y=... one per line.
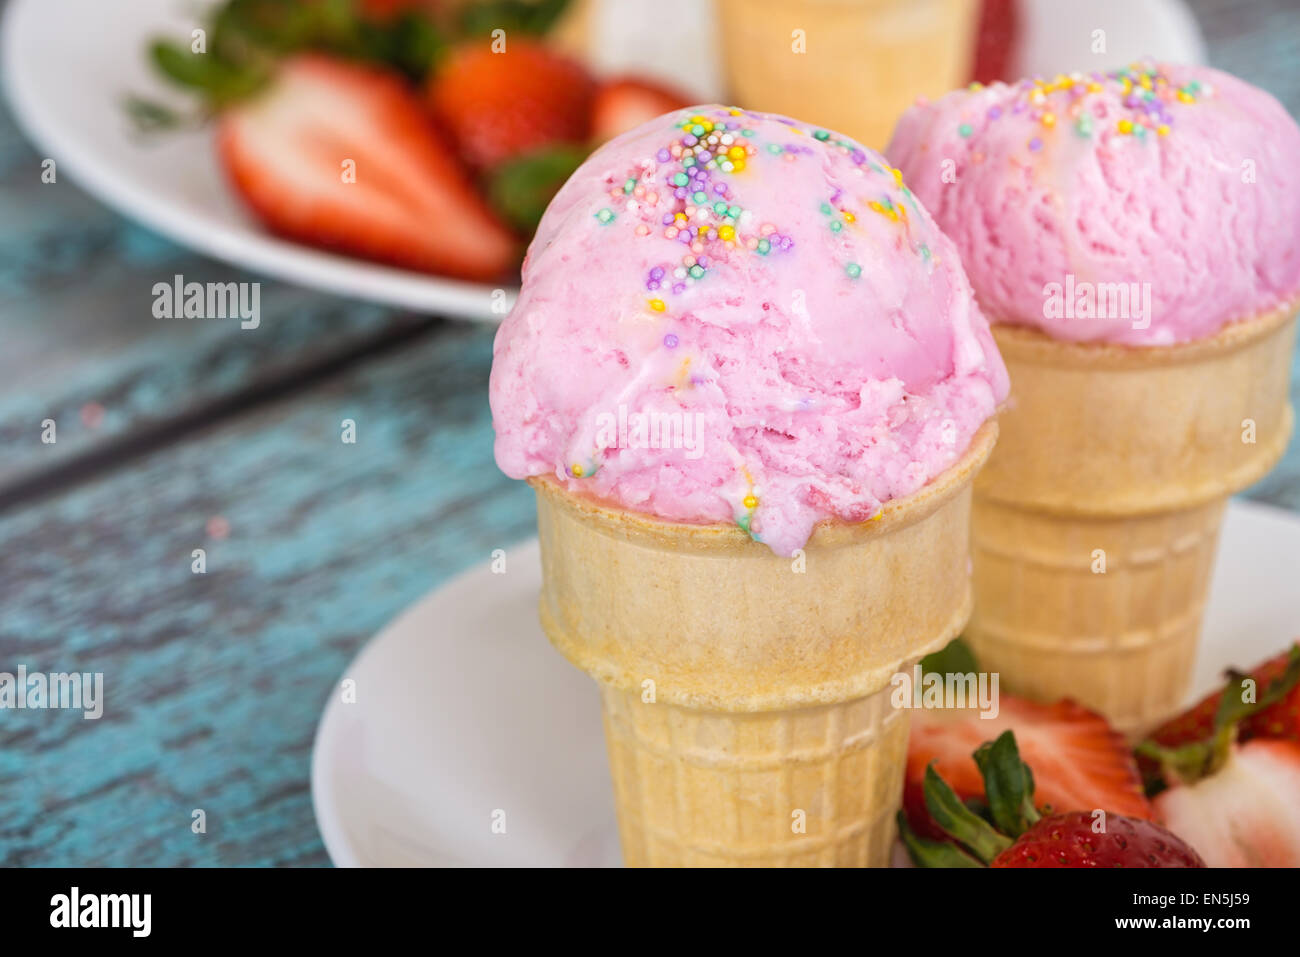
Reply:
x=1190, y=762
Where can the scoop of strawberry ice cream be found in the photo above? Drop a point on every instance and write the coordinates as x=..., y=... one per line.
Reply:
x=728, y=317
x=1148, y=206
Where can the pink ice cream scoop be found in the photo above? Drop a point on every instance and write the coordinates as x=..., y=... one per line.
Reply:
x=730, y=317
x=1148, y=206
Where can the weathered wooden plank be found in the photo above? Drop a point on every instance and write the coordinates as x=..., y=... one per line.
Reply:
x=79, y=343
x=214, y=682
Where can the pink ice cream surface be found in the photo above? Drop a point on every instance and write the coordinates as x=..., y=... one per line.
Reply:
x=729, y=317
x=1177, y=181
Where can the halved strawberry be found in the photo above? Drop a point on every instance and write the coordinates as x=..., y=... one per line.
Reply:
x=1079, y=762
x=501, y=105
x=1244, y=814
x=626, y=102
x=995, y=36
x=287, y=152
x=1193, y=742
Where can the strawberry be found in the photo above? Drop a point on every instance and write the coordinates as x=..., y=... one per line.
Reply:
x=1004, y=828
x=1079, y=761
x=1247, y=812
x=1074, y=840
x=626, y=102
x=995, y=36
x=1192, y=744
x=286, y=150
x=498, y=106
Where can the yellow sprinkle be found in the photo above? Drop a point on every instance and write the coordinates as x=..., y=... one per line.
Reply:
x=1146, y=82
x=1094, y=87
x=658, y=305
x=1049, y=120
x=1185, y=97
x=750, y=502
x=577, y=471
x=738, y=166
x=1126, y=126
x=727, y=232
x=736, y=152
x=734, y=112
x=1162, y=129
x=898, y=175
x=849, y=217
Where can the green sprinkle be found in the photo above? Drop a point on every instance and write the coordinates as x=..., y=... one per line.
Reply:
x=697, y=130
x=696, y=271
x=629, y=185
x=1084, y=124
x=746, y=132
x=854, y=270
x=699, y=197
x=925, y=252
x=681, y=179
x=965, y=130
x=606, y=216
x=733, y=212
x=763, y=247
x=822, y=135
x=836, y=225
x=720, y=208
x=774, y=148
x=826, y=209
x=688, y=162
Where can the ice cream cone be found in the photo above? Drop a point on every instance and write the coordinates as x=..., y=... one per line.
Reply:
x=848, y=65
x=1095, y=523
x=746, y=695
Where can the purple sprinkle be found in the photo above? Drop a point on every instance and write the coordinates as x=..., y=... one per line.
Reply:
x=652, y=285
x=858, y=157
x=658, y=271
x=689, y=140
x=1035, y=144
x=704, y=156
x=679, y=288
x=995, y=112
x=1018, y=108
x=720, y=189
x=703, y=261
x=663, y=156
x=680, y=192
x=685, y=237
x=668, y=219
x=670, y=341
x=786, y=242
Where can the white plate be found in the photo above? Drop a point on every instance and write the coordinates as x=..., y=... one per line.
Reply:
x=68, y=65
x=463, y=709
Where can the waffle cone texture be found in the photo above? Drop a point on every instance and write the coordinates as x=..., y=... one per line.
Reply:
x=747, y=696
x=862, y=63
x=1095, y=523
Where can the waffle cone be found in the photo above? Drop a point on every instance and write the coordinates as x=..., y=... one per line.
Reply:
x=1095, y=523
x=863, y=62
x=747, y=696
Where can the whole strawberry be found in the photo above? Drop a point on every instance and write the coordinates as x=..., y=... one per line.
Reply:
x=1004, y=828
x=1073, y=840
x=498, y=106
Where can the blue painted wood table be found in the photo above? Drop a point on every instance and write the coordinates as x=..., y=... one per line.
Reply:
x=176, y=436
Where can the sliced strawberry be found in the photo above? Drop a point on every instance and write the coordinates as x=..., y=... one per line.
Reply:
x=625, y=103
x=1082, y=839
x=1245, y=814
x=286, y=150
x=1079, y=762
x=995, y=36
x=501, y=105
x=1197, y=739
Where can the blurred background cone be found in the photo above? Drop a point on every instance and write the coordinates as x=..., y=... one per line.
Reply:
x=1095, y=524
x=852, y=66
x=747, y=696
